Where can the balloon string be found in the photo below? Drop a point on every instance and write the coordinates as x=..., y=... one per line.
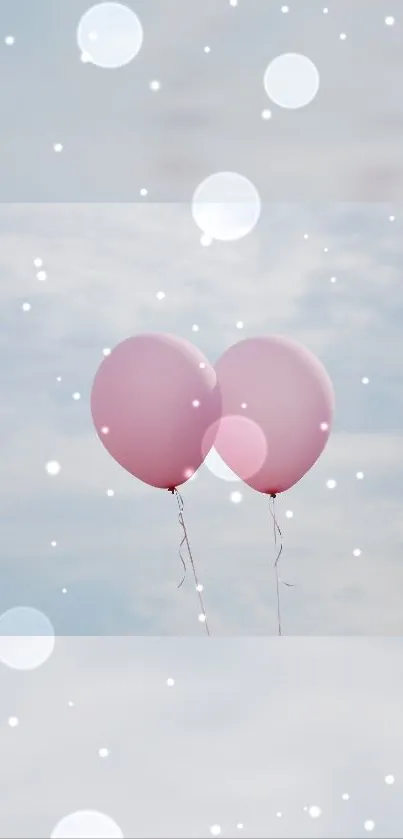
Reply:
x=185, y=541
x=277, y=530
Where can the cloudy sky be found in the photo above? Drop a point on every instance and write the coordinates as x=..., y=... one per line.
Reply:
x=116, y=556
x=251, y=726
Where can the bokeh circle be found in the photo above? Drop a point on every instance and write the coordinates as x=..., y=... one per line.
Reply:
x=226, y=206
x=109, y=35
x=291, y=80
x=27, y=638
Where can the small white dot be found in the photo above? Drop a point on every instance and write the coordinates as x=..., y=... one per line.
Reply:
x=53, y=544
x=279, y=815
x=239, y=324
x=240, y=826
x=205, y=240
x=110, y=492
x=369, y=825
x=343, y=36
x=202, y=365
x=326, y=250
x=26, y=307
x=392, y=218
x=236, y=497
x=195, y=327
x=389, y=779
x=215, y=830
x=58, y=147
x=199, y=587
x=244, y=405
x=160, y=295
x=202, y=618
x=53, y=467
x=9, y=40
x=103, y=752
x=106, y=351
x=289, y=514
x=266, y=114
x=38, y=262
x=170, y=683
x=13, y=722
x=345, y=796
x=64, y=591
x=285, y=9
x=365, y=380
x=76, y=396
x=104, y=429
x=314, y=812
x=58, y=378
x=359, y=476
x=85, y=57
x=356, y=552
x=331, y=484
x=195, y=403
x=155, y=85
x=324, y=426
x=325, y=11
x=306, y=236
x=389, y=20
x=41, y=276
x=207, y=49
x=189, y=474
x=70, y=704
x=333, y=279
x=144, y=192
x=233, y=3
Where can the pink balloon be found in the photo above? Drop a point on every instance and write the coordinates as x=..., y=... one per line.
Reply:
x=152, y=401
x=283, y=388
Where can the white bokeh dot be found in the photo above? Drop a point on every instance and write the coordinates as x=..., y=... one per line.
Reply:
x=289, y=514
x=155, y=85
x=87, y=824
x=343, y=36
x=195, y=327
x=389, y=20
x=345, y=796
x=41, y=276
x=160, y=295
x=314, y=811
x=239, y=324
x=389, y=779
x=143, y=192
x=240, y=826
x=26, y=307
x=357, y=552
x=106, y=351
x=58, y=147
x=331, y=483
x=170, y=683
x=266, y=114
x=38, y=262
x=236, y=497
x=291, y=81
x=9, y=40
x=369, y=825
x=13, y=722
x=110, y=492
x=76, y=396
x=215, y=829
x=365, y=380
x=53, y=544
x=226, y=206
x=359, y=476
x=103, y=752
x=392, y=218
x=111, y=34
x=52, y=467
x=202, y=618
x=27, y=638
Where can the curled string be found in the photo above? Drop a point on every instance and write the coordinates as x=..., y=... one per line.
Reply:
x=185, y=541
x=277, y=530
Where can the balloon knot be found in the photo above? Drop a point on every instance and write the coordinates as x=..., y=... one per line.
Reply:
x=172, y=490
x=273, y=495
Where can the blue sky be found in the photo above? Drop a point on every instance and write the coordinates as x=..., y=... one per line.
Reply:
x=117, y=555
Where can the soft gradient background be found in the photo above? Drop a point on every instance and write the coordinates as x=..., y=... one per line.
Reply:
x=119, y=136
x=249, y=729
x=116, y=556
